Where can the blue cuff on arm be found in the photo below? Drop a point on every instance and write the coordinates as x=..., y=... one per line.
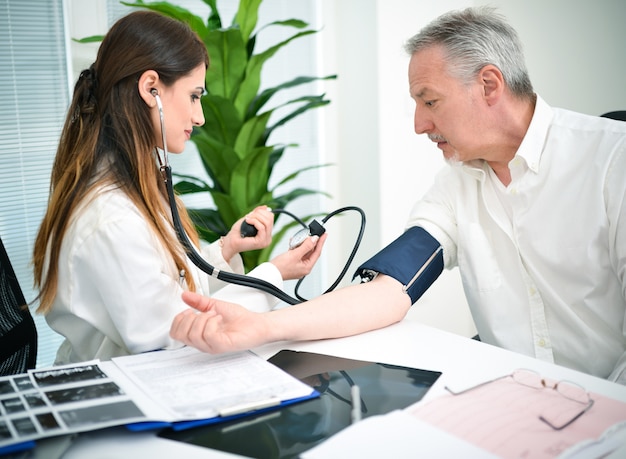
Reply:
x=415, y=259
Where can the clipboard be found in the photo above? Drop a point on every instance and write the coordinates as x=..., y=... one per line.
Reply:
x=298, y=427
x=176, y=389
x=184, y=425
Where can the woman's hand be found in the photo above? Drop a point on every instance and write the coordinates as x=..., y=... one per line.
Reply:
x=297, y=263
x=262, y=219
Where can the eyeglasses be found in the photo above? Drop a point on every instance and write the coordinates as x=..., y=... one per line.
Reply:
x=569, y=390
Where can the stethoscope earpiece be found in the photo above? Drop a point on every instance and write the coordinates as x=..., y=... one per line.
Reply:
x=157, y=98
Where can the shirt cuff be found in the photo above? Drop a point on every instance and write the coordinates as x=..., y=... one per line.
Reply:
x=619, y=371
x=251, y=298
x=213, y=253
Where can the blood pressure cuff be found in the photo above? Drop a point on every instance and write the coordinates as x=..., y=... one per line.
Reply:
x=415, y=259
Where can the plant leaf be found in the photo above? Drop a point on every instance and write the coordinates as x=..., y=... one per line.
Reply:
x=91, y=39
x=187, y=187
x=227, y=62
x=265, y=95
x=283, y=200
x=221, y=120
x=214, y=20
x=296, y=23
x=218, y=160
x=176, y=12
x=246, y=17
x=251, y=135
x=293, y=175
x=232, y=143
x=209, y=223
x=250, y=85
x=311, y=102
x=250, y=179
x=227, y=209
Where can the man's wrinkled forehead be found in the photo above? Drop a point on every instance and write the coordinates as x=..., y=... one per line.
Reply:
x=426, y=70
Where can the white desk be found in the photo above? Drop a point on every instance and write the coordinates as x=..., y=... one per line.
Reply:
x=462, y=361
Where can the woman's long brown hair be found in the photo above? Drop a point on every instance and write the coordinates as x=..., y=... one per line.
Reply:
x=108, y=137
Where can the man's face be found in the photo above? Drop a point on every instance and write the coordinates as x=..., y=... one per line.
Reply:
x=449, y=112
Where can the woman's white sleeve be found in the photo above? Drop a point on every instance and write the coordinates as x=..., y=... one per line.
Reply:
x=252, y=298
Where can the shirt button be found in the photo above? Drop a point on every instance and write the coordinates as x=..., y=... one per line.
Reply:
x=542, y=342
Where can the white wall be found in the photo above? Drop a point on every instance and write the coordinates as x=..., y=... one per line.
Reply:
x=576, y=60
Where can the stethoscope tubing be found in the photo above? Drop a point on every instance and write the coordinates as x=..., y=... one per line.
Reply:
x=192, y=253
x=202, y=264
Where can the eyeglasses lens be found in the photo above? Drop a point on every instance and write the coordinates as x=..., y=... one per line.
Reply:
x=570, y=400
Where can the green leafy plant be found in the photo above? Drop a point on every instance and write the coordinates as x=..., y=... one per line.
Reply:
x=234, y=142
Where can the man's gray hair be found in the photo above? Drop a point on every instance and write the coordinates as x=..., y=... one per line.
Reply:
x=473, y=38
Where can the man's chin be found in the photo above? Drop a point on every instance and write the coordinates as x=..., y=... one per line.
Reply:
x=452, y=159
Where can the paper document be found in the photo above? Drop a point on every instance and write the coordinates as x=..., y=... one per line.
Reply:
x=395, y=435
x=161, y=386
x=194, y=385
x=504, y=417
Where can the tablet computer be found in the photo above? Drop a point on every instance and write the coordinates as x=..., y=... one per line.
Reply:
x=291, y=430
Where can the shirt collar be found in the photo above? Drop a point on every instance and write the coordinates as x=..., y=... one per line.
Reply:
x=532, y=145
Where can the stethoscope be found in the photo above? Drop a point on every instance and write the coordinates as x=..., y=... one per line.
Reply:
x=233, y=278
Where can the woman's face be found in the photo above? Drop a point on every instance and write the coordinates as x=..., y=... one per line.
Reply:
x=182, y=109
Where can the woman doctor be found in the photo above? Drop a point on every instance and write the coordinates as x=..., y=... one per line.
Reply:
x=107, y=262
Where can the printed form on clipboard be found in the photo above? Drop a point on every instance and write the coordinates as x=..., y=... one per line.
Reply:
x=194, y=387
x=179, y=388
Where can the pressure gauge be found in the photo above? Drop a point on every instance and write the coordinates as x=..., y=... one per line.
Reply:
x=298, y=238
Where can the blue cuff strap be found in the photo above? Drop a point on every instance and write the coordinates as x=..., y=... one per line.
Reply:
x=415, y=259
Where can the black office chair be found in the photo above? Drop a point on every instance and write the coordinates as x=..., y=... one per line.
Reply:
x=619, y=115
x=18, y=335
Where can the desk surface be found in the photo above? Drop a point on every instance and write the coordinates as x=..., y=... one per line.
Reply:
x=462, y=361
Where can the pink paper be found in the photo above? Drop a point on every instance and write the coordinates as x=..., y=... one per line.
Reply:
x=503, y=417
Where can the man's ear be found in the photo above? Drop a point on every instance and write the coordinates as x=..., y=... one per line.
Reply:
x=492, y=81
x=148, y=81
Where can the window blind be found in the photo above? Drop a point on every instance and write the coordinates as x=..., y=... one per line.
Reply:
x=34, y=95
